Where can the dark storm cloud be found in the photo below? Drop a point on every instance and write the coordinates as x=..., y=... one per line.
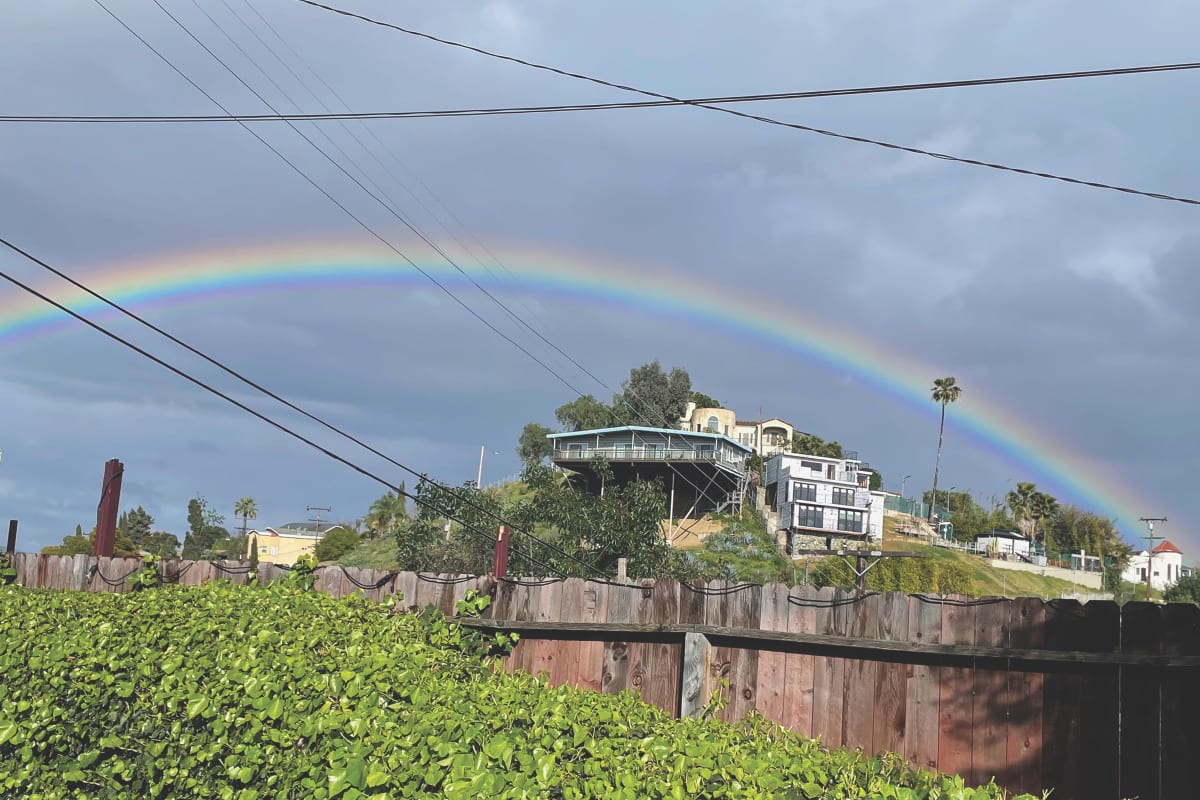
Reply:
x=1069, y=307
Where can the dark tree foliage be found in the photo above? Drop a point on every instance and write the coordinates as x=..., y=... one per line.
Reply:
x=587, y=413
x=336, y=544
x=534, y=447
x=703, y=400
x=654, y=398
x=1185, y=590
x=812, y=445
x=205, y=529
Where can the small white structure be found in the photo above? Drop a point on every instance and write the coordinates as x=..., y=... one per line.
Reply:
x=1006, y=544
x=1164, y=565
x=824, y=497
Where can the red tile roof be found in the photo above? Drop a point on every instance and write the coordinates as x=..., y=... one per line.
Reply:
x=1167, y=547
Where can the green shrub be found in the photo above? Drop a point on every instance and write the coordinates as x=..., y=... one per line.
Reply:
x=276, y=692
x=336, y=544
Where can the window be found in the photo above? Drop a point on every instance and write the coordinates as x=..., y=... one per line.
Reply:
x=813, y=465
x=810, y=517
x=622, y=449
x=714, y=424
x=263, y=549
x=575, y=449
x=805, y=492
x=843, y=497
x=850, y=521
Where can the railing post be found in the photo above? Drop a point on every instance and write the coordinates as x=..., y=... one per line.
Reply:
x=500, y=565
x=695, y=678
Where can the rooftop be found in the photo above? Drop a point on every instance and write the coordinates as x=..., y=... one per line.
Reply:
x=1167, y=547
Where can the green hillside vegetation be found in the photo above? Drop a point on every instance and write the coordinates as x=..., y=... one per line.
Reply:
x=252, y=692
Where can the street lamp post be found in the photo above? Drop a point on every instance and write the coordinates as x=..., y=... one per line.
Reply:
x=479, y=475
x=903, y=481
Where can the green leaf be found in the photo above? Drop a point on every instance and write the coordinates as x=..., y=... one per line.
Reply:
x=8, y=729
x=197, y=704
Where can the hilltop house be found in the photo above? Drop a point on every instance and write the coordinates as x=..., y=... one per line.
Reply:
x=765, y=437
x=703, y=472
x=820, y=499
x=1005, y=544
x=286, y=543
x=1164, y=565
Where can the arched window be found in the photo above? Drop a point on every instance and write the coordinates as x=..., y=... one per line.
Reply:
x=714, y=424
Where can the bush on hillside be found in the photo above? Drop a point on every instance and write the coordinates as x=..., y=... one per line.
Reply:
x=336, y=544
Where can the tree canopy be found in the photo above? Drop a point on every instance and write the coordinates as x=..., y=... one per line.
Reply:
x=705, y=401
x=586, y=413
x=810, y=444
x=534, y=447
x=650, y=396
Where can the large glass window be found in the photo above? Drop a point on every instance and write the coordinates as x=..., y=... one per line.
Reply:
x=805, y=492
x=850, y=521
x=810, y=517
x=714, y=424
x=843, y=497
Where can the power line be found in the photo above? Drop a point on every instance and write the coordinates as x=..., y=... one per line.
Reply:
x=257, y=387
x=575, y=107
x=757, y=117
x=365, y=226
x=229, y=399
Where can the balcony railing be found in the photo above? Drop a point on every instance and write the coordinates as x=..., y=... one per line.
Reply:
x=641, y=454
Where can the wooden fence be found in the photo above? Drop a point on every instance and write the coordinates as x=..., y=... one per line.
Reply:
x=1093, y=700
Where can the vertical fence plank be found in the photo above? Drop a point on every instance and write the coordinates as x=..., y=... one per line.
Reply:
x=544, y=606
x=1099, y=631
x=1027, y=622
x=858, y=699
x=990, y=701
x=956, y=729
x=661, y=662
x=891, y=707
x=1181, y=703
x=615, y=675
x=717, y=611
x=923, y=692
x=743, y=676
x=1060, y=708
x=1141, y=746
x=771, y=679
x=798, y=668
x=829, y=673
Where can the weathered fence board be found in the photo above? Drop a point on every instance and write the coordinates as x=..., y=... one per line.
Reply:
x=1093, y=700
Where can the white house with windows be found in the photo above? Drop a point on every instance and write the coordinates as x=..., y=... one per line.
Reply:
x=1164, y=565
x=764, y=436
x=821, y=499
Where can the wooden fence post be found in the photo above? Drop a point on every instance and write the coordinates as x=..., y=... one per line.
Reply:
x=500, y=566
x=12, y=537
x=695, y=678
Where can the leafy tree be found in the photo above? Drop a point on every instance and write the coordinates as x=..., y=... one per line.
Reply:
x=247, y=509
x=161, y=544
x=587, y=413
x=72, y=545
x=812, y=445
x=704, y=401
x=336, y=544
x=135, y=525
x=1185, y=590
x=1044, y=506
x=534, y=447
x=386, y=513
x=876, y=482
x=205, y=529
x=452, y=531
x=945, y=391
x=653, y=397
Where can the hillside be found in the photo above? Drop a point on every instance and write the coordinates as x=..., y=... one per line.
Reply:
x=986, y=580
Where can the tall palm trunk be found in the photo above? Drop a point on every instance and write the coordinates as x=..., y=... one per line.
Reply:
x=937, y=463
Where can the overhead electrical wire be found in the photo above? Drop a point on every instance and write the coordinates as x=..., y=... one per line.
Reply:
x=756, y=117
x=363, y=224
x=226, y=397
x=574, y=107
x=394, y=212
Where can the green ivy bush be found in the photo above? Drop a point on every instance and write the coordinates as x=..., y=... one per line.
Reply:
x=254, y=692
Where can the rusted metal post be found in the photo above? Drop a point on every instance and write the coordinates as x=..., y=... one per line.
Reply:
x=11, y=547
x=106, y=512
x=500, y=567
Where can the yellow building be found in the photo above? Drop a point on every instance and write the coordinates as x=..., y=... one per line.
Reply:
x=285, y=544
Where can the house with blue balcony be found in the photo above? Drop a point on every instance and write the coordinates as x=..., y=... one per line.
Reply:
x=701, y=472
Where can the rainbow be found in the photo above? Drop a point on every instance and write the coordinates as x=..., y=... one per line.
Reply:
x=206, y=276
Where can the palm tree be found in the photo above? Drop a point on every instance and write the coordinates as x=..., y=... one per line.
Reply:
x=247, y=509
x=1021, y=501
x=1044, y=507
x=385, y=513
x=945, y=391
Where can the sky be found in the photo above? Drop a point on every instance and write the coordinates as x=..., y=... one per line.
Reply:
x=823, y=281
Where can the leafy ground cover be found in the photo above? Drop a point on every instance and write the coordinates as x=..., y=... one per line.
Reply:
x=278, y=692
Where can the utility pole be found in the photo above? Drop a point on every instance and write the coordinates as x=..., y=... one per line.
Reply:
x=1150, y=537
x=317, y=521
